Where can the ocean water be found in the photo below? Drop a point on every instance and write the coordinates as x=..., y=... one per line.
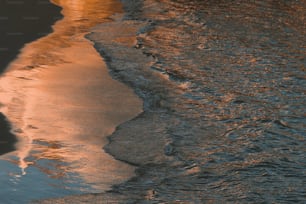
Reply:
x=223, y=84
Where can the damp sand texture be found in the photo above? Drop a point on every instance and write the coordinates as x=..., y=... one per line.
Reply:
x=62, y=104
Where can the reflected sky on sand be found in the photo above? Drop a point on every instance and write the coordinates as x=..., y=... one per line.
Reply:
x=62, y=104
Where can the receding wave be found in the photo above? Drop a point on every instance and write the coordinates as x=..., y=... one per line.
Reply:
x=223, y=84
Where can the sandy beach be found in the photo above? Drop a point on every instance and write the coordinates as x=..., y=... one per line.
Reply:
x=61, y=104
x=219, y=115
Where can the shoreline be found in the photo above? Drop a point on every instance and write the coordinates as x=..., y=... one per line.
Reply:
x=62, y=103
x=130, y=135
x=180, y=144
x=123, y=33
x=15, y=34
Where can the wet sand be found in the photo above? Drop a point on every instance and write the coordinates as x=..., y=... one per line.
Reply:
x=21, y=22
x=62, y=104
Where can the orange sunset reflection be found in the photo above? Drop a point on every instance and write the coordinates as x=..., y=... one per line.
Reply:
x=62, y=102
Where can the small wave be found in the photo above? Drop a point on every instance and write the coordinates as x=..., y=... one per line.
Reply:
x=222, y=86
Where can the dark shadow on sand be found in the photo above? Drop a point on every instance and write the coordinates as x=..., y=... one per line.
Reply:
x=7, y=139
x=23, y=21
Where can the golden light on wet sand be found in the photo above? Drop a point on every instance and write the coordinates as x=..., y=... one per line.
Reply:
x=62, y=102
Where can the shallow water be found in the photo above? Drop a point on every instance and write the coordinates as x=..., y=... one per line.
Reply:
x=242, y=66
x=227, y=101
x=62, y=104
x=224, y=90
